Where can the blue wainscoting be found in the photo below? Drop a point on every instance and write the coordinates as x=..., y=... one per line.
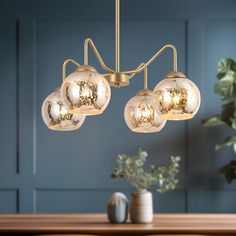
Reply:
x=45, y=171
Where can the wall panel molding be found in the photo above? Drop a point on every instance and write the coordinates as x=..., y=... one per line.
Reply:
x=9, y=200
x=45, y=171
x=9, y=140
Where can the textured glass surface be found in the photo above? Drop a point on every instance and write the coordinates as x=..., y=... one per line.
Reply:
x=57, y=117
x=86, y=92
x=142, y=115
x=177, y=98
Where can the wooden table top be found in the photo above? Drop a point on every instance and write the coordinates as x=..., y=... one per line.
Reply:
x=97, y=224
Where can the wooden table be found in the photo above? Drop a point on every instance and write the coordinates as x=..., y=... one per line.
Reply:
x=97, y=224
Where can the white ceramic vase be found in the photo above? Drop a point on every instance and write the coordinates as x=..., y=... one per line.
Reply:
x=141, y=210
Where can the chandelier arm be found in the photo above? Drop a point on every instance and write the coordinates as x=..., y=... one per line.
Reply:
x=89, y=42
x=68, y=61
x=133, y=74
x=145, y=75
x=145, y=78
x=154, y=58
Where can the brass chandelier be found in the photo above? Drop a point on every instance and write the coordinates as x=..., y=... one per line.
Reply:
x=86, y=92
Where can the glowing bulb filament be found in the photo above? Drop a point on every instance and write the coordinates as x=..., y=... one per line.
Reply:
x=173, y=99
x=147, y=113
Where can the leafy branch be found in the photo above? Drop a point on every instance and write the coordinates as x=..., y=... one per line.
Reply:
x=131, y=168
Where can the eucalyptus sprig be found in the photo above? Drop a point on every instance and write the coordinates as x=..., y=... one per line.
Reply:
x=131, y=168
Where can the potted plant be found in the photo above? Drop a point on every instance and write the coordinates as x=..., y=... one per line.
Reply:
x=164, y=178
x=225, y=87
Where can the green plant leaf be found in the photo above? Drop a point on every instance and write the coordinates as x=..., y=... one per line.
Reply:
x=225, y=65
x=213, y=121
x=229, y=171
x=233, y=123
x=225, y=87
x=227, y=142
x=228, y=112
x=234, y=148
x=220, y=75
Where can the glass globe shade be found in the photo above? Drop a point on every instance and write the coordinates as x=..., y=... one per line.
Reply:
x=142, y=114
x=178, y=98
x=85, y=91
x=57, y=117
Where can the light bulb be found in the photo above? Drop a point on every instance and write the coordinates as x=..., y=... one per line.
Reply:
x=85, y=91
x=142, y=114
x=57, y=117
x=178, y=98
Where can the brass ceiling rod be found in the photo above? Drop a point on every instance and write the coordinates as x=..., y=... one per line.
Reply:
x=116, y=75
x=117, y=27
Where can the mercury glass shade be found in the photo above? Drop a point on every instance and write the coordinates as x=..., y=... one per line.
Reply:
x=142, y=114
x=57, y=117
x=85, y=91
x=178, y=98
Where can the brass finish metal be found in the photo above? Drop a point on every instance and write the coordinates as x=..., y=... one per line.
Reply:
x=155, y=56
x=88, y=42
x=145, y=84
x=175, y=74
x=144, y=92
x=68, y=61
x=86, y=68
x=117, y=36
x=133, y=74
x=118, y=79
x=145, y=79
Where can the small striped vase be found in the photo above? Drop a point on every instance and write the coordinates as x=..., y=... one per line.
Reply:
x=141, y=210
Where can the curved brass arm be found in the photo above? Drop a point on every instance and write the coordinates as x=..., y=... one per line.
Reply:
x=155, y=57
x=133, y=74
x=68, y=61
x=88, y=42
x=145, y=75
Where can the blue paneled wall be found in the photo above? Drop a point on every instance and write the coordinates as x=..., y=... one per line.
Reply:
x=46, y=171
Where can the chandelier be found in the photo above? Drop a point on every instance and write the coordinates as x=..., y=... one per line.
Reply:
x=86, y=92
